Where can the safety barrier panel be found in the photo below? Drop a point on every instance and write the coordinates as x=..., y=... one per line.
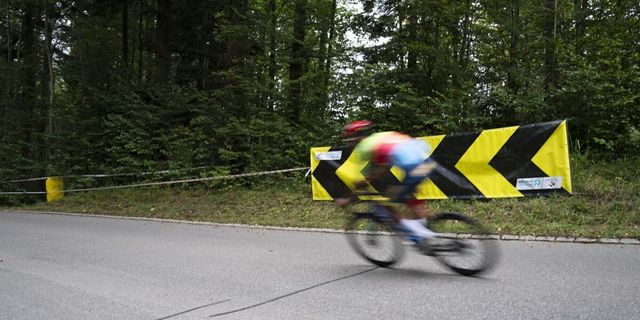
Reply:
x=516, y=161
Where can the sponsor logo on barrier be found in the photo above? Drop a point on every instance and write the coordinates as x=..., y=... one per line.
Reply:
x=329, y=156
x=541, y=183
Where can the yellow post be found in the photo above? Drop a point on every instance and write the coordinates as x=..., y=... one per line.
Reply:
x=55, y=188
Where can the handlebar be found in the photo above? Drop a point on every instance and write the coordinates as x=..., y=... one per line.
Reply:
x=355, y=196
x=365, y=193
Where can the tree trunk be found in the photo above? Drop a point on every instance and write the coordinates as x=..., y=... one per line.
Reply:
x=49, y=24
x=9, y=42
x=30, y=72
x=332, y=35
x=431, y=76
x=125, y=37
x=162, y=36
x=323, y=31
x=297, y=62
x=413, y=36
x=238, y=44
x=238, y=52
x=271, y=8
x=324, y=60
x=7, y=98
x=581, y=9
x=466, y=30
x=329, y=57
x=550, y=24
x=512, y=67
x=140, y=47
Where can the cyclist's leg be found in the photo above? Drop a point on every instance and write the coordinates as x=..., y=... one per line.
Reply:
x=404, y=192
x=415, y=175
x=420, y=209
x=392, y=211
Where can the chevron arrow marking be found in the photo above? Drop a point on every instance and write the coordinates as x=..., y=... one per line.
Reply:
x=427, y=189
x=551, y=160
x=474, y=164
x=514, y=159
x=349, y=172
x=319, y=192
x=326, y=184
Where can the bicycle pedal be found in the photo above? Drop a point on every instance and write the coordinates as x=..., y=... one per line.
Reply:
x=425, y=250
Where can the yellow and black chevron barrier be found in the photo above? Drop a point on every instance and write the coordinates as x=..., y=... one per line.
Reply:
x=527, y=160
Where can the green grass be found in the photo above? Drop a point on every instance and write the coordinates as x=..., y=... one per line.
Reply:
x=606, y=204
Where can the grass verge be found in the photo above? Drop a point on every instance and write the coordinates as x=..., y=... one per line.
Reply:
x=606, y=204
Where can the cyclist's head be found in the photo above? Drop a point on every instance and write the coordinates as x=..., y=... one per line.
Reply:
x=357, y=130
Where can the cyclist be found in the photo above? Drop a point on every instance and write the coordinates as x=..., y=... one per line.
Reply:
x=384, y=150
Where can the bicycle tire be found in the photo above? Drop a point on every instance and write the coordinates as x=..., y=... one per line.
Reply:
x=374, y=240
x=474, y=236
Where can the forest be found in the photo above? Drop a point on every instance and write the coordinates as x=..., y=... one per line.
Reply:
x=245, y=85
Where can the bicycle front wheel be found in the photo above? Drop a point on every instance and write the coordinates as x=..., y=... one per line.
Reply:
x=469, y=250
x=374, y=240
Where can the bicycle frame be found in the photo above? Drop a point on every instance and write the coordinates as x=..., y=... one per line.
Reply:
x=381, y=214
x=380, y=244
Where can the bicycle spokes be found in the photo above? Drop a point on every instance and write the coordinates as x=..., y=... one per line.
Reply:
x=374, y=240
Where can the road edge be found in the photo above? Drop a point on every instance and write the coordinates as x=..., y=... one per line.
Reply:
x=503, y=237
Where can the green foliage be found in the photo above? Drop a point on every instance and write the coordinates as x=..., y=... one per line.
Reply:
x=603, y=106
x=243, y=94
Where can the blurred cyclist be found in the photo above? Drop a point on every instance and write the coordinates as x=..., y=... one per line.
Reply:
x=384, y=150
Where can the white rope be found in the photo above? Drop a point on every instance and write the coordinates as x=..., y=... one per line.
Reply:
x=25, y=180
x=106, y=175
x=232, y=176
x=22, y=192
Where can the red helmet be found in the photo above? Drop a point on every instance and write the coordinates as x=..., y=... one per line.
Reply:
x=357, y=129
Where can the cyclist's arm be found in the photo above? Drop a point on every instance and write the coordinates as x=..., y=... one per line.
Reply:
x=376, y=173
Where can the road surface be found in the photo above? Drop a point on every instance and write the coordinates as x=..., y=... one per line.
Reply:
x=72, y=267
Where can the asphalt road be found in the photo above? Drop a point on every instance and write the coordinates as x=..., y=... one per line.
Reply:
x=70, y=267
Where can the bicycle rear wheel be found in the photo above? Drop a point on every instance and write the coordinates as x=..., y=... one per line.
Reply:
x=374, y=240
x=470, y=251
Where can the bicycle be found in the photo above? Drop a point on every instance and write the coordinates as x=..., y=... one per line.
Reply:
x=370, y=232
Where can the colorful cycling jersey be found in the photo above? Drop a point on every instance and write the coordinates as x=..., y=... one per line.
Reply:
x=393, y=148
